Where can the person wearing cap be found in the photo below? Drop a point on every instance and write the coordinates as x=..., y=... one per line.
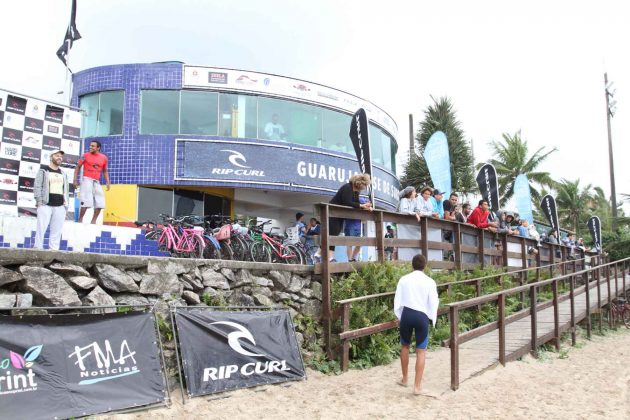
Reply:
x=94, y=164
x=436, y=202
x=51, y=197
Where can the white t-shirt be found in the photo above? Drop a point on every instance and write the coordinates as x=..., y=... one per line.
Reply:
x=274, y=131
x=417, y=291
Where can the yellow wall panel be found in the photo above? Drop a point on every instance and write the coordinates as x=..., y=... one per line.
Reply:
x=121, y=203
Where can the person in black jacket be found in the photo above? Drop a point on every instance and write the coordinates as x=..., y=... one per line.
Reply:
x=348, y=195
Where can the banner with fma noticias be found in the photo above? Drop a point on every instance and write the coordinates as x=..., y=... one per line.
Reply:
x=228, y=350
x=72, y=366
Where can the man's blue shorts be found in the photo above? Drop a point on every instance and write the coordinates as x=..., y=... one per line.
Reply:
x=414, y=320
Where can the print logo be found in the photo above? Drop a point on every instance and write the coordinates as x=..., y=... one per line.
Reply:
x=102, y=364
x=237, y=157
x=13, y=380
x=235, y=336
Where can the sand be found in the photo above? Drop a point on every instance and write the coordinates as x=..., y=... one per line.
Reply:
x=589, y=381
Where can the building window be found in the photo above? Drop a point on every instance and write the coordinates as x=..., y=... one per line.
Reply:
x=199, y=113
x=382, y=148
x=103, y=113
x=237, y=115
x=159, y=112
x=336, y=132
x=188, y=203
x=152, y=202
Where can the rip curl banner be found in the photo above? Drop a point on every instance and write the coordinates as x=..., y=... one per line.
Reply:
x=438, y=161
x=489, y=187
x=595, y=227
x=65, y=366
x=359, y=135
x=223, y=351
x=523, y=198
x=548, y=206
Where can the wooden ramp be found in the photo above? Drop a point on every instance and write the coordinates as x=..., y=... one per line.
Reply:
x=482, y=352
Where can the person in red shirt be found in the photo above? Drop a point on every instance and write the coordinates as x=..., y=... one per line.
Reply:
x=479, y=217
x=94, y=165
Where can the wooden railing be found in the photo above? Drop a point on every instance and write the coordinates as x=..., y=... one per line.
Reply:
x=454, y=309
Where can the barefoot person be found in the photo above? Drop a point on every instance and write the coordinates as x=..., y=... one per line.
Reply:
x=415, y=304
x=94, y=164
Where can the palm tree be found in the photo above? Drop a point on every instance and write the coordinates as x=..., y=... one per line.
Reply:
x=511, y=159
x=574, y=204
x=441, y=117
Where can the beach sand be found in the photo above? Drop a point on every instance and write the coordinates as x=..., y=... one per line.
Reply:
x=591, y=381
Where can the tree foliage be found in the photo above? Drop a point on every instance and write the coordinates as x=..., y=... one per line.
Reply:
x=575, y=204
x=440, y=116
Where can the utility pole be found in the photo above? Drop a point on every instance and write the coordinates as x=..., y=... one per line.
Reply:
x=412, y=143
x=610, y=112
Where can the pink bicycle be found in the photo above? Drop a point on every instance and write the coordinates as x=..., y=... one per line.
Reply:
x=181, y=238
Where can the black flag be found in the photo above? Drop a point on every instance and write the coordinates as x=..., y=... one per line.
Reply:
x=361, y=142
x=488, y=186
x=72, y=34
x=595, y=226
x=548, y=206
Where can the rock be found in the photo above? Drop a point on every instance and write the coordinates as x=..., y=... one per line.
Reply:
x=137, y=277
x=307, y=293
x=9, y=276
x=48, y=288
x=281, y=296
x=8, y=301
x=98, y=297
x=242, y=278
x=197, y=273
x=24, y=300
x=300, y=339
x=82, y=282
x=261, y=281
x=297, y=283
x=158, y=284
x=281, y=279
x=293, y=312
x=114, y=279
x=29, y=311
x=312, y=308
x=228, y=274
x=262, y=291
x=130, y=299
x=262, y=300
x=191, y=297
x=316, y=287
x=213, y=279
x=240, y=299
x=68, y=269
x=193, y=282
x=169, y=266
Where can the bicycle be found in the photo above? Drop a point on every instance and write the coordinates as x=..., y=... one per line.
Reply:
x=151, y=228
x=217, y=239
x=180, y=238
x=270, y=249
x=619, y=310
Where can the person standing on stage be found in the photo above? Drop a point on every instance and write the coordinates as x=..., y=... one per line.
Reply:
x=94, y=165
x=51, y=197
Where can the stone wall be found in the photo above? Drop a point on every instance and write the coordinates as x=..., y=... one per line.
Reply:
x=32, y=278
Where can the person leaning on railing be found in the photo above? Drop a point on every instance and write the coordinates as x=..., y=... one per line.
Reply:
x=479, y=217
x=348, y=195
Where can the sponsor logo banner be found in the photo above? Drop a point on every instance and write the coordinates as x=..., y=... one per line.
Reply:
x=1, y=117
x=26, y=184
x=595, y=227
x=217, y=77
x=30, y=154
x=16, y=104
x=548, y=206
x=9, y=166
x=523, y=198
x=7, y=197
x=488, y=186
x=259, y=163
x=33, y=125
x=91, y=363
x=438, y=160
x=70, y=133
x=51, y=143
x=230, y=350
x=11, y=135
x=54, y=114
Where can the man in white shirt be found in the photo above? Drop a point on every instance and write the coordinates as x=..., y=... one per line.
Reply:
x=415, y=305
x=274, y=130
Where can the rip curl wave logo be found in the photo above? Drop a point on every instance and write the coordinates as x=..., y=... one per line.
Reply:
x=237, y=157
x=12, y=382
x=235, y=336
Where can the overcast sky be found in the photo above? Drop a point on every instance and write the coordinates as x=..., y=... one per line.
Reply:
x=534, y=66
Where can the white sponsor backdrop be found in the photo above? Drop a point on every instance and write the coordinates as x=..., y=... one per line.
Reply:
x=30, y=129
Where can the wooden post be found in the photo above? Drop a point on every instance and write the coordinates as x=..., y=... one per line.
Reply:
x=424, y=240
x=523, y=253
x=480, y=238
x=326, y=304
x=380, y=236
x=616, y=283
x=345, y=346
x=556, y=315
x=587, y=290
x=501, y=305
x=572, y=298
x=623, y=277
x=599, y=297
x=504, y=251
x=457, y=246
x=609, y=292
x=478, y=290
x=534, y=319
x=538, y=266
x=454, y=345
x=552, y=258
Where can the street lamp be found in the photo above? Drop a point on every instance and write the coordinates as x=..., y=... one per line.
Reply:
x=610, y=112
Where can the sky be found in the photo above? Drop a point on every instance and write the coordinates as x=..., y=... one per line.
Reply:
x=535, y=66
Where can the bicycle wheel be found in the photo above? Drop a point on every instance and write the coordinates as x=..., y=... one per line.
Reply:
x=239, y=248
x=260, y=252
x=211, y=252
x=226, y=251
x=625, y=317
x=293, y=255
x=198, y=247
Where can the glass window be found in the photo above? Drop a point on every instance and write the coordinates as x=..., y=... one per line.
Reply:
x=237, y=115
x=152, y=202
x=337, y=131
x=199, y=113
x=289, y=121
x=110, y=113
x=159, y=112
x=380, y=147
x=188, y=203
x=89, y=104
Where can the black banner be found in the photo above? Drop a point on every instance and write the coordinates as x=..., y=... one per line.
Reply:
x=16, y=104
x=72, y=366
x=72, y=34
x=489, y=186
x=222, y=351
x=359, y=135
x=54, y=114
x=595, y=227
x=548, y=206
